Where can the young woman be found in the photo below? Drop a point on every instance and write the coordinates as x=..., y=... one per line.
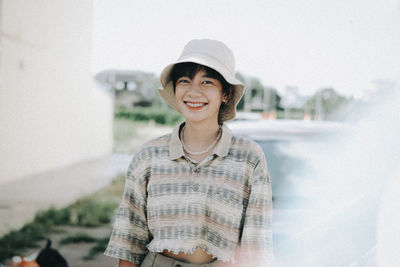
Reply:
x=199, y=196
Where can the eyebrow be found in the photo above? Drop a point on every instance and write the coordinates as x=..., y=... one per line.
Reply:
x=206, y=75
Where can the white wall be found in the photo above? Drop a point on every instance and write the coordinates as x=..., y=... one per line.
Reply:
x=51, y=114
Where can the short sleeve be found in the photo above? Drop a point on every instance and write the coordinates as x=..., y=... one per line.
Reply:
x=256, y=237
x=130, y=233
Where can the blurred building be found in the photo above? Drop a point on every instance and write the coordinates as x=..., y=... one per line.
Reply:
x=51, y=113
x=131, y=87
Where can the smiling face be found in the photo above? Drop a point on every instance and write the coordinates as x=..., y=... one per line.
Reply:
x=199, y=98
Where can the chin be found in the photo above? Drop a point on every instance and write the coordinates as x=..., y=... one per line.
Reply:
x=198, y=116
x=192, y=119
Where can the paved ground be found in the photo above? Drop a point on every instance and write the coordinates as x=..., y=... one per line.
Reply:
x=21, y=199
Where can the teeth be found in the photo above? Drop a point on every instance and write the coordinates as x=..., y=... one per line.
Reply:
x=195, y=105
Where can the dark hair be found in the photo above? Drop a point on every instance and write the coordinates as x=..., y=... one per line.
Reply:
x=189, y=69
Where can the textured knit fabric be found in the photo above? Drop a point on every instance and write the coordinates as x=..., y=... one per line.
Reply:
x=172, y=202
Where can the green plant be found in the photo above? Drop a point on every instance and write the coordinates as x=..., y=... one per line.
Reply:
x=164, y=116
x=53, y=216
x=101, y=245
x=77, y=238
x=89, y=212
x=15, y=241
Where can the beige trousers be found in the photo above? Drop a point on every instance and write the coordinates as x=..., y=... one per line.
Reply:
x=153, y=259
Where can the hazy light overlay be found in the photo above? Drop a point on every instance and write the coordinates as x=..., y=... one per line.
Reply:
x=344, y=182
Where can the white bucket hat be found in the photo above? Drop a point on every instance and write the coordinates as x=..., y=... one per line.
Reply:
x=213, y=54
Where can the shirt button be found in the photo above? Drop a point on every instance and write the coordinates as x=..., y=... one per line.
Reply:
x=195, y=187
x=196, y=170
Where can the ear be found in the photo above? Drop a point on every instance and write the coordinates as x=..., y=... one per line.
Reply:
x=227, y=97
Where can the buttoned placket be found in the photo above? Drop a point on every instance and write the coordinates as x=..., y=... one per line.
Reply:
x=195, y=169
x=195, y=166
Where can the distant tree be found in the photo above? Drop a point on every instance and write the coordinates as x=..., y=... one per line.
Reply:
x=257, y=96
x=327, y=103
x=276, y=100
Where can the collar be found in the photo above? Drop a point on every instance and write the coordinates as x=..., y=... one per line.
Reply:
x=175, y=145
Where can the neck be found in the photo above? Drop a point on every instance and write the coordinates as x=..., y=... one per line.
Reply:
x=197, y=137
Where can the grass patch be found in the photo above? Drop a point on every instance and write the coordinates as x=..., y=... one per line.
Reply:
x=16, y=241
x=100, y=247
x=124, y=131
x=77, y=238
x=129, y=135
x=52, y=216
x=162, y=116
x=91, y=213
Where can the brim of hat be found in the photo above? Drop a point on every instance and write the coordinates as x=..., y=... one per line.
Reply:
x=228, y=111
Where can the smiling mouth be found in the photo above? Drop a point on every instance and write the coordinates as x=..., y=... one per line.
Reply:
x=195, y=104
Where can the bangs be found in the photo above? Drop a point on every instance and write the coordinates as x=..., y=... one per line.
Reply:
x=186, y=69
x=189, y=69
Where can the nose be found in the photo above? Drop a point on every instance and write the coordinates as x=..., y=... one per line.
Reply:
x=194, y=89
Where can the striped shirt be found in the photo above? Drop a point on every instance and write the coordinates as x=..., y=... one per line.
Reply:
x=172, y=202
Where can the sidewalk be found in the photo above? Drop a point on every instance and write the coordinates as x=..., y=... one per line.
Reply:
x=21, y=199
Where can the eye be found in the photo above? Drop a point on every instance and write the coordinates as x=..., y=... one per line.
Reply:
x=208, y=82
x=183, y=80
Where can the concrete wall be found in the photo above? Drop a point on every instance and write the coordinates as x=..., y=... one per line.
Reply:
x=51, y=113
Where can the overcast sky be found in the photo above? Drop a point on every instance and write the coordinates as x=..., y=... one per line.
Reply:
x=311, y=44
